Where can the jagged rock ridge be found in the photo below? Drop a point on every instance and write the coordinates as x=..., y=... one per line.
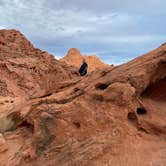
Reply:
x=28, y=71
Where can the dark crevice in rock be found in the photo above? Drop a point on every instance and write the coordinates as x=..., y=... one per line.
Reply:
x=14, y=121
x=77, y=125
x=46, y=95
x=156, y=90
x=101, y=86
x=141, y=111
x=27, y=125
x=132, y=117
x=142, y=129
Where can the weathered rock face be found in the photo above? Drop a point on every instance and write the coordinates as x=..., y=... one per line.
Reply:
x=114, y=116
x=3, y=144
x=74, y=58
x=27, y=71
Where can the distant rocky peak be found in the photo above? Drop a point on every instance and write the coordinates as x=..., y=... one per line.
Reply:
x=74, y=58
x=73, y=52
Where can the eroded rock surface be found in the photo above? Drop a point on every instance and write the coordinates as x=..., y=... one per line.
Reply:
x=115, y=116
x=27, y=71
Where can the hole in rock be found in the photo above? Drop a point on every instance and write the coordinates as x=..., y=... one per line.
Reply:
x=132, y=116
x=76, y=89
x=156, y=90
x=14, y=121
x=154, y=96
x=27, y=125
x=141, y=111
x=101, y=86
x=77, y=124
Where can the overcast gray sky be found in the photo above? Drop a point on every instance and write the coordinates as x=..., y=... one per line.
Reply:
x=115, y=30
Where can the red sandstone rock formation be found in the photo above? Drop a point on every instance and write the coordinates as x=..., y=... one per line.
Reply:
x=74, y=58
x=114, y=116
x=27, y=71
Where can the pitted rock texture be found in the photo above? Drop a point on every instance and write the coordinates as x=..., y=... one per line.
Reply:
x=27, y=71
x=114, y=116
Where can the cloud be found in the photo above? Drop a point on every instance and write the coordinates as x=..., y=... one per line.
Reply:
x=2, y=27
x=106, y=27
